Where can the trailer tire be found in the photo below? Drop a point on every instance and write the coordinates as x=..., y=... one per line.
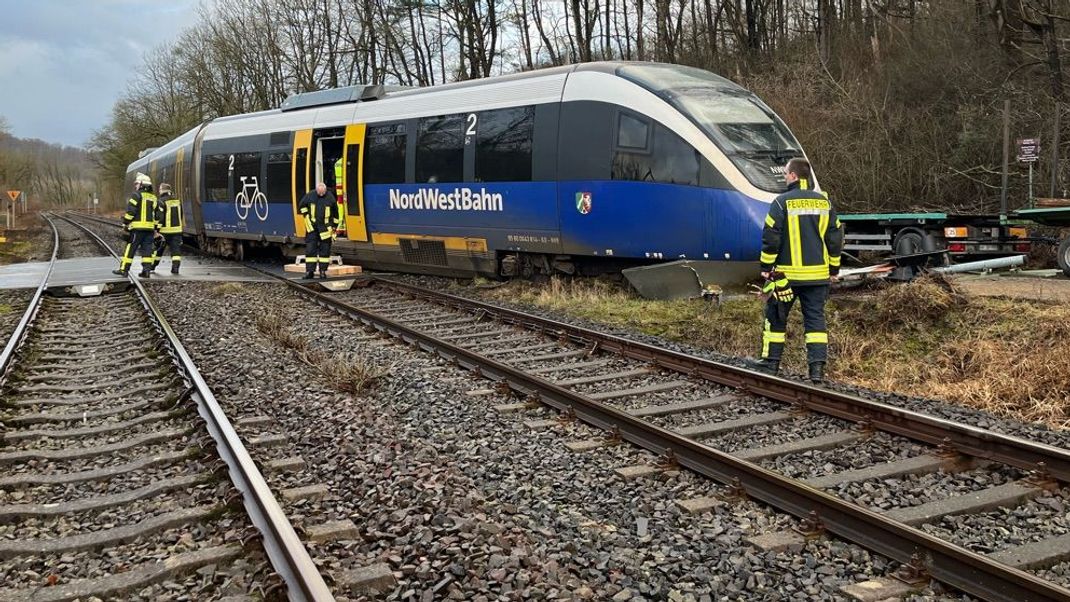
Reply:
x=908, y=242
x=1063, y=256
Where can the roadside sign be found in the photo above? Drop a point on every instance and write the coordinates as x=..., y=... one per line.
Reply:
x=1028, y=150
x=14, y=194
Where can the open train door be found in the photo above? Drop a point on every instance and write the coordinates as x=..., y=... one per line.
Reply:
x=352, y=186
x=302, y=144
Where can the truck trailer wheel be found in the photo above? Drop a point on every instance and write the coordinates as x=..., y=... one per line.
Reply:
x=1063, y=256
x=908, y=243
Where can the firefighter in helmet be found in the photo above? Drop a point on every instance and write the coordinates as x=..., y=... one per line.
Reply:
x=139, y=222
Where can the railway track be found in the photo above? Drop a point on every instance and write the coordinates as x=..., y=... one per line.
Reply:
x=820, y=455
x=112, y=487
x=867, y=472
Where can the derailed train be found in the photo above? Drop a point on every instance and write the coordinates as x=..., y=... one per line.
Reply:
x=587, y=167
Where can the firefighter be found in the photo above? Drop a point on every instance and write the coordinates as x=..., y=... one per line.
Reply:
x=801, y=245
x=339, y=171
x=169, y=224
x=139, y=222
x=320, y=212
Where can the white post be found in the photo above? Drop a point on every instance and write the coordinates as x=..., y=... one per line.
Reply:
x=1030, y=184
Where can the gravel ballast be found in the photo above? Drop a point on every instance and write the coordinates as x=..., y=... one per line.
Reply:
x=1033, y=431
x=462, y=502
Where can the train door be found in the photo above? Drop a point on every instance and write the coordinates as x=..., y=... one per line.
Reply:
x=302, y=148
x=353, y=159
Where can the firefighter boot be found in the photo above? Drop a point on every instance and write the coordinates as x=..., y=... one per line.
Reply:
x=309, y=275
x=119, y=272
x=146, y=271
x=817, y=372
x=174, y=266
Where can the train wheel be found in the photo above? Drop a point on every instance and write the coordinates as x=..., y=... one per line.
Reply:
x=1063, y=256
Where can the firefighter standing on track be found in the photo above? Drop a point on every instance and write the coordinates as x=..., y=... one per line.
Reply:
x=801, y=245
x=321, y=215
x=169, y=222
x=140, y=222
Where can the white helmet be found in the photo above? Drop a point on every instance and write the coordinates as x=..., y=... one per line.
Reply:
x=142, y=180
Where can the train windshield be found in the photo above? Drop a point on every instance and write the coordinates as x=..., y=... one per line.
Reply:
x=741, y=125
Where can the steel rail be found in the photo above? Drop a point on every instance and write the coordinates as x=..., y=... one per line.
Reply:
x=285, y=551
x=966, y=439
x=960, y=568
x=31, y=311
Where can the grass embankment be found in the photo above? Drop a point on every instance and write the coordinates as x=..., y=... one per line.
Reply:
x=921, y=339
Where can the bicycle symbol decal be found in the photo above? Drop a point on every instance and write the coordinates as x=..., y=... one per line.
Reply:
x=250, y=196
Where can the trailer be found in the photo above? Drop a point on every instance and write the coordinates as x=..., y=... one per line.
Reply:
x=964, y=237
x=1057, y=217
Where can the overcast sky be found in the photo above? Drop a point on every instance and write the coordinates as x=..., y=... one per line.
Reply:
x=63, y=63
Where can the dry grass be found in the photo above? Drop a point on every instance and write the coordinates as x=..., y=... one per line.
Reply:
x=921, y=339
x=227, y=288
x=351, y=373
x=346, y=373
x=274, y=327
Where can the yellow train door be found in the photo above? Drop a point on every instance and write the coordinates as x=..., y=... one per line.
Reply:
x=302, y=150
x=352, y=185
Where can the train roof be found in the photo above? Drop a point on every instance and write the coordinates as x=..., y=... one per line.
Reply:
x=357, y=104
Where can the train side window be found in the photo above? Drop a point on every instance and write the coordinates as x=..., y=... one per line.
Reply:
x=217, y=178
x=352, y=181
x=440, y=149
x=247, y=165
x=279, y=177
x=301, y=171
x=503, y=145
x=384, y=154
x=673, y=161
x=633, y=132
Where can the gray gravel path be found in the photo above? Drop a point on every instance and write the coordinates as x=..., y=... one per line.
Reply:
x=452, y=495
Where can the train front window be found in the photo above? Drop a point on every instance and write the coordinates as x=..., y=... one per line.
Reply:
x=737, y=121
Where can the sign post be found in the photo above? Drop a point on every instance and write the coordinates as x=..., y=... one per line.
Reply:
x=10, y=212
x=1029, y=152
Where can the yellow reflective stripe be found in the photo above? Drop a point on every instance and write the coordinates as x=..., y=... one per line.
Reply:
x=775, y=337
x=803, y=184
x=834, y=261
x=838, y=224
x=769, y=221
x=822, y=226
x=804, y=268
x=308, y=223
x=808, y=277
x=768, y=257
x=817, y=337
x=794, y=240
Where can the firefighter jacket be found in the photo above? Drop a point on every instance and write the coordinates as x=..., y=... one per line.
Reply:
x=338, y=169
x=169, y=214
x=320, y=213
x=141, y=211
x=803, y=236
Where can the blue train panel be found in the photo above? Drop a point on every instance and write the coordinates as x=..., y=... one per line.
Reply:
x=600, y=218
x=510, y=215
x=270, y=219
x=663, y=221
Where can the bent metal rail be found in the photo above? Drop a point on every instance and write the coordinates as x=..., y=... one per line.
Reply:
x=287, y=554
x=958, y=567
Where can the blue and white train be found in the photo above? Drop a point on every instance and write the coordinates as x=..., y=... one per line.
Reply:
x=588, y=167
